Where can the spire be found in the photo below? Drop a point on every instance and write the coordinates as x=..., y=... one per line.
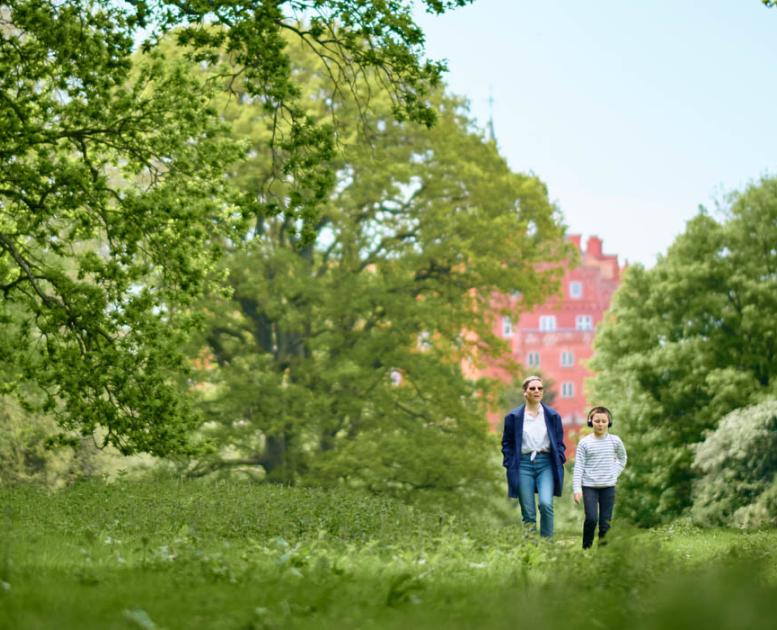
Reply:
x=491, y=132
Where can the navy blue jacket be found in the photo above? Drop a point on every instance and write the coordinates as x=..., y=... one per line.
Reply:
x=512, y=436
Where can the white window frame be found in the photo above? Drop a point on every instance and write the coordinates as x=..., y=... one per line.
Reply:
x=584, y=322
x=575, y=289
x=547, y=323
x=507, y=326
x=567, y=390
x=533, y=359
x=567, y=358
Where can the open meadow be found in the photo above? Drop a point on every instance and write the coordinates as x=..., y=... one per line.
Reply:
x=281, y=313
x=170, y=553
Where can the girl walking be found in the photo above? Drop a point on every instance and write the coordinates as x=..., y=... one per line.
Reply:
x=599, y=460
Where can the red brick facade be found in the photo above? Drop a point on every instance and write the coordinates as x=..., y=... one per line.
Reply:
x=556, y=338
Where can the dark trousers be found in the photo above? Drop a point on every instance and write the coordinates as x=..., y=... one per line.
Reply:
x=598, y=504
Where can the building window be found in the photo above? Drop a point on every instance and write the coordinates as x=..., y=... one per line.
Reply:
x=567, y=390
x=584, y=322
x=547, y=322
x=533, y=360
x=507, y=327
x=567, y=359
x=576, y=289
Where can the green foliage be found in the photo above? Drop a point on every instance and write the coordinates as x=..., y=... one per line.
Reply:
x=26, y=454
x=688, y=341
x=351, y=38
x=23, y=454
x=737, y=464
x=113, y=195
x=340, y=359
x=109, y=186
x=171, y=553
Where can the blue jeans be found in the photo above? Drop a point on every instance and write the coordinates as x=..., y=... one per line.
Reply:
x=598, y=504
x=537, y=476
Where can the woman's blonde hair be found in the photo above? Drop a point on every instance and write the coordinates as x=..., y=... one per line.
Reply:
x=529, y=379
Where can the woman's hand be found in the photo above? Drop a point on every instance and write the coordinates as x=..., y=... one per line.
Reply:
x=577, y=496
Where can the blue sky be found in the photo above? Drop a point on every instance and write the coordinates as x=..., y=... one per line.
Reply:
x=633, y=112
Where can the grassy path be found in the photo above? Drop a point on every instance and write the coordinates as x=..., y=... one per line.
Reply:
x=172, y=554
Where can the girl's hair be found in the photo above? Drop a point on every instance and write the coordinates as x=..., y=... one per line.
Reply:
x=529, y=379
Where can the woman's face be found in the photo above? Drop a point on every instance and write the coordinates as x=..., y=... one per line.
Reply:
x=533, y=391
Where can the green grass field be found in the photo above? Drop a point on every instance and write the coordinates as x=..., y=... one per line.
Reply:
x=227, y=554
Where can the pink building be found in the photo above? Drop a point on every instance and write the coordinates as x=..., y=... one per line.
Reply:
x=556, y=339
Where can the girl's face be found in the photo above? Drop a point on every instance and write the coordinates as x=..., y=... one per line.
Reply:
x=600, y=422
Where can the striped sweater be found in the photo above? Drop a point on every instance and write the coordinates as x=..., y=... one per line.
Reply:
x=598, y=462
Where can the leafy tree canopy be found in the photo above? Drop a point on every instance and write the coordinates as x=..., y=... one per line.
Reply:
x=342, y=359
x=113, y=197
x=688, y=341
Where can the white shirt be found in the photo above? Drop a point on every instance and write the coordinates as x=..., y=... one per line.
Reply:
x=599, y=461
x=535, y=433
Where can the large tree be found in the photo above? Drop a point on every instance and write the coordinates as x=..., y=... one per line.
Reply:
x=342, y=358
x=112, y=189
x=688, y=341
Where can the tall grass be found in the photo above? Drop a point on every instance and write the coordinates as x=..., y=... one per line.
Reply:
x=169, y=553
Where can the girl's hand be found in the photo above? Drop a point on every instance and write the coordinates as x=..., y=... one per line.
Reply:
x=577, y=496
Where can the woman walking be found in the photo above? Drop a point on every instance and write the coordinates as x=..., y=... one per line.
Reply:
x=533, y=449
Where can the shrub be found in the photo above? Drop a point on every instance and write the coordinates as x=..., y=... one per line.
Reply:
x=737, y=467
